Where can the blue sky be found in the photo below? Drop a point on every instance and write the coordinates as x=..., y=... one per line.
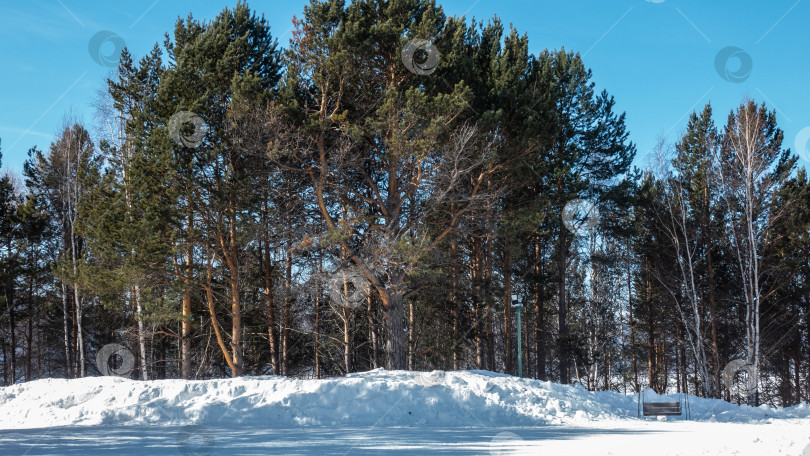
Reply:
x=657, y=57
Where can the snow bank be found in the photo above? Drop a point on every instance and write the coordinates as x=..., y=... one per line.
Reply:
x=375, y=398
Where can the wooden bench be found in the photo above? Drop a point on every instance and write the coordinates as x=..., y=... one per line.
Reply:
x=662, y=409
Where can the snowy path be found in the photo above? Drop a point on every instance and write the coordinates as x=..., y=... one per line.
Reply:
x=626, y=439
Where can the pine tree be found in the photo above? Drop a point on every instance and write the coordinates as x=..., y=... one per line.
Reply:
x=213, y=67
x=9, y=265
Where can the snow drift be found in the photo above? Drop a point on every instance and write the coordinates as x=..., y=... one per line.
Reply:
x=374, y=398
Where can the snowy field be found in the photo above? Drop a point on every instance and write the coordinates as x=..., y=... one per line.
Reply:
x=376, y=413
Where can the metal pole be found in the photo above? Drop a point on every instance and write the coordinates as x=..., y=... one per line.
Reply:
x=520, y=346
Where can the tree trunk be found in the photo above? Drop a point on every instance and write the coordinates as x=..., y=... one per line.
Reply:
x=632, y=329
x=317, y=334
x=185, y=325
x=231, y=257
x=5, y=365
x=30, y=339
x=507, y=309
x=539, y=317
x=347, y=331
x=236, y=312
x=395, y=327
x=347, y=334
x=525, y=343
x=270, y=307
x=78, y=304
x=209, y=297
x=665, y=362
x=79, y=330
x=66, y=320
x=651, y=343
x=712, y=298
x=684, y=379
x=372, y=328
x=285, y=337
x=488, y=299
x=562, y=265
x=411, y=333
x=475, y=273
x=75, y=347
x=12, y=333
x=454, y=302
x=141, y=335
x=797, y=366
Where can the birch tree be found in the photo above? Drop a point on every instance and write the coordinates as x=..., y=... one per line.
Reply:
x=751, y=169
x=679, y=229
x=58, y=177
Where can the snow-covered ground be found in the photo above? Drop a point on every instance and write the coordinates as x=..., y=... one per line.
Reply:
x=378, y=412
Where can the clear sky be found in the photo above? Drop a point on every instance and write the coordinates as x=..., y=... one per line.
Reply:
x=659, y=58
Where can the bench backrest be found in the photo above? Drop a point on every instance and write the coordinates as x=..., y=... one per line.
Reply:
x=662, y=408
